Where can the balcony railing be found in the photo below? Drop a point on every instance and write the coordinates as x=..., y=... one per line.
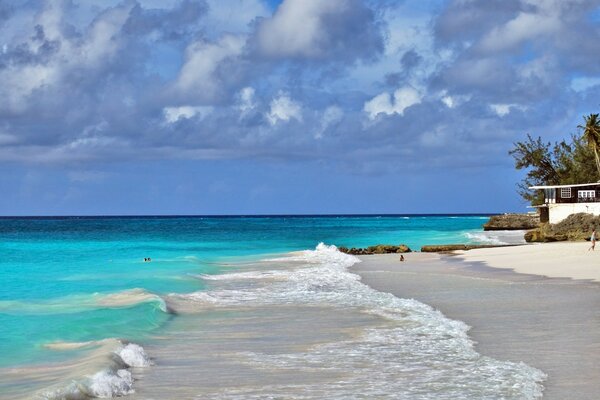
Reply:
x=587, y=199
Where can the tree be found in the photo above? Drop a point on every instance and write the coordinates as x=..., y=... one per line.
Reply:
x=561, y=163
x=543, y=163
x=591, y=134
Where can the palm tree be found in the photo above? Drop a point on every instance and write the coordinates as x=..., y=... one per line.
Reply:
x=591, y=134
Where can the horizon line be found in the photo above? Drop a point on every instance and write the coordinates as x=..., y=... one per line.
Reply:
x=246, y=215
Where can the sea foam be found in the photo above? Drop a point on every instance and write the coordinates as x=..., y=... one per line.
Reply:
x=496, y=237
x=419, y=351
x=112, y=359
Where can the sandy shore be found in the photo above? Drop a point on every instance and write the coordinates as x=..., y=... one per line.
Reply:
x=557, y=260
x=549, y=323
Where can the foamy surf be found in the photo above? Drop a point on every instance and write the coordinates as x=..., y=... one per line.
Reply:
x=102, y=373
x=496, y=237
x=414, y=352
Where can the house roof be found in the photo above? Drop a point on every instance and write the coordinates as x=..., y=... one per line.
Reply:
x=566, y=186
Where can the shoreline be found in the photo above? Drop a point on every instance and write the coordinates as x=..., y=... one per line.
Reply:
x=547, y=323
x=553, y=260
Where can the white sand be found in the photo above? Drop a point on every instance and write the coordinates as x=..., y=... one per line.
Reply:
x=550, y=324
x=556, y=260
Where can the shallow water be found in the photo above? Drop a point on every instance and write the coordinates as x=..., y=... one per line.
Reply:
x=73, y=286
x=303, y=327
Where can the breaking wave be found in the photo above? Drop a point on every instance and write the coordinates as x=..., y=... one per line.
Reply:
x=103, y=373
x=496, y=237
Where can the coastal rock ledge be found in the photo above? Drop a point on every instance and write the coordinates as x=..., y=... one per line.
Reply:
x=377, y=249
x=448, y=248
x=575, y=227
x=506, y=222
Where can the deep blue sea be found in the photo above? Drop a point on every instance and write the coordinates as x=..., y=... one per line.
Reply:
x=81, y=279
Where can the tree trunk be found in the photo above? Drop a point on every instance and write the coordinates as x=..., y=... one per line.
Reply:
x=597, y=160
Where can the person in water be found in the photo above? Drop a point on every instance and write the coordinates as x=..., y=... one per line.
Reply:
x=593, y=240
x=401, y=257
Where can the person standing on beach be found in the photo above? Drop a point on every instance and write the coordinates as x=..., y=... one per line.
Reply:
x=593, y=240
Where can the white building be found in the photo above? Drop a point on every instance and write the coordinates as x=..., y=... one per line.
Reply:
x=560, y=201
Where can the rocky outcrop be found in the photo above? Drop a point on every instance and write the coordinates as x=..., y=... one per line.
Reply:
x=506, y=222
x=445, y=248
x=575, y=227
x=377, y=249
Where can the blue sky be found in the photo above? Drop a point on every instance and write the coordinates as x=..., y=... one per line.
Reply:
x=293, y=106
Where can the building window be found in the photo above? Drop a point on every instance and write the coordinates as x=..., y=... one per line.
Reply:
x=565, y=193
x=586, y=194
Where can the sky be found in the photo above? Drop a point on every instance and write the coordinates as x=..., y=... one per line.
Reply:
x=284, y=107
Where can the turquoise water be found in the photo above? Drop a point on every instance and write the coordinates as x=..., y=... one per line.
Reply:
x=59, y=274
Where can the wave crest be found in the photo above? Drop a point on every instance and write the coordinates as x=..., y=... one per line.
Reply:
x=80, y=303
x=112, y=360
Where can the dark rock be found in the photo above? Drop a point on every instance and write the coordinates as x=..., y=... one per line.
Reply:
x=506, y=222
x=445, y=248
x=377, y=249
x=575, y=227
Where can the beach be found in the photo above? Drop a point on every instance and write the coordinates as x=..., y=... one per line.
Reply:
x=523, y=316
x=556, y=260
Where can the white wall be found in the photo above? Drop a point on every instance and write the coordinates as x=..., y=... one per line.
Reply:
x=558, y=212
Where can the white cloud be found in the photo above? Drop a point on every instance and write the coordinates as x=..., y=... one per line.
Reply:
x=283, y=108
x=449, y=101
x=384, y=103
x=296, y=27
x=246, y=101
x=503, y=109
x=173, y=114
x=452, y=101
x=198, y=76
x=583, y=83
x=234, y=16
x=523, y=27
x=98, y=45
x=331, y=116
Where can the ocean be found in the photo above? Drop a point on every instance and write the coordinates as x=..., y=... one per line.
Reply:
x=232, y=308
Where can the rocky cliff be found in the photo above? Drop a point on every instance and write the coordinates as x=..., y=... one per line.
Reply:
x=574, y=227
x=511, y=222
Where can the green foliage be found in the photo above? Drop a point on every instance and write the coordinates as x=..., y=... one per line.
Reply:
x=561, y=163
x=591, y=135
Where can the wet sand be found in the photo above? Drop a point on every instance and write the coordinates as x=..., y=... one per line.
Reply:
x=549, y=323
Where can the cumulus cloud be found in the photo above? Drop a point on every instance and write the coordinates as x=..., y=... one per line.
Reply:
x=385, y=103
x=52, y=54
x=247, y=102
x=174, y=114
x=202, y=76
x=283, y=108
x=314, y=29
x=87, y=82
